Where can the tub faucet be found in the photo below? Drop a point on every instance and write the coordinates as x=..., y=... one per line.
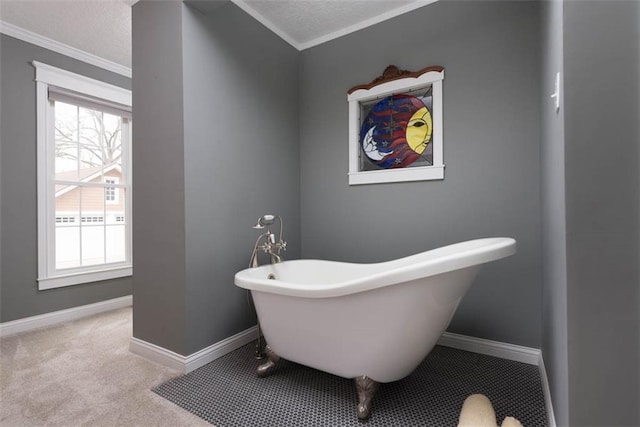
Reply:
x=270, y=245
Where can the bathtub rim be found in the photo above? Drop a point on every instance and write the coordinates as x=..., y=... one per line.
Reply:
x=428, y=263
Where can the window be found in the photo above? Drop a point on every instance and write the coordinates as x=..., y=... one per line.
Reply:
x=111, y=193
x=84, y=179
x=395, y=127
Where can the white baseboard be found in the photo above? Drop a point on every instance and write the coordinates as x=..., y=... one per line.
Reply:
x=200, y=358
x=157, y=354
x=502, y=350
x=220, y=348
x=54, y=318
x=551, y=418
x=531, y=356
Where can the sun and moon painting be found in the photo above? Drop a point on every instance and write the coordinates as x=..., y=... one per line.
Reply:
x=397, y=130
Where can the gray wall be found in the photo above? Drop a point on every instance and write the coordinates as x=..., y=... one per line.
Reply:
x=554, y=271
x=491, y=54
x=159, y=244
x=220, y=111
x=19, y=259
x=601, y=156
x=241, y=159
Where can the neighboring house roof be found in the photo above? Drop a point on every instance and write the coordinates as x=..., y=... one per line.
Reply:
x=86, y=175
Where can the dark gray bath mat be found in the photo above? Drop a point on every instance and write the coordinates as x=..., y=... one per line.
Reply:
x=227, y=393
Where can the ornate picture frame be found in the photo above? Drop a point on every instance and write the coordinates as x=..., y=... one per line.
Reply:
x=395, y=127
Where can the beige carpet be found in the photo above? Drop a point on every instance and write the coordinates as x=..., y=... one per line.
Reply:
x=82, y=374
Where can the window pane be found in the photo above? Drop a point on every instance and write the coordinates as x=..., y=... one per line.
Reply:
x=66, y=140
x=67, y=223
x=91, y=153
x=112, y=139
x=115, y=207
x=67, y=246
x=115, y=228
x=92, y=220
x=116, y=251
x=92, y=201
x=92, y=244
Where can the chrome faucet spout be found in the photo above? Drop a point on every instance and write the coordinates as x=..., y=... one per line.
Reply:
x=275, y=258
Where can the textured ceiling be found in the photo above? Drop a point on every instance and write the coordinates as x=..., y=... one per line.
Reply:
x=309, y=22
x=103, y=27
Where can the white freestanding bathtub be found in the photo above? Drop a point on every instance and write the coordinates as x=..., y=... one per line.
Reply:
x=372, y=322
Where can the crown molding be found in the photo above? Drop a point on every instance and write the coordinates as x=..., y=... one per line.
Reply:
x=63, y=49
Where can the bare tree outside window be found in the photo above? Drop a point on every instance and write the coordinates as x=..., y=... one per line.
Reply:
x=87, y=138
x=88, y=155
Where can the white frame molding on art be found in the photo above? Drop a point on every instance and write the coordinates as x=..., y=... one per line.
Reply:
x=394, y=82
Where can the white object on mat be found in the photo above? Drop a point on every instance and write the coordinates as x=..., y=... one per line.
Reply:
x=477, y=411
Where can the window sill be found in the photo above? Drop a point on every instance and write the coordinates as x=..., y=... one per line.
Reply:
x=424, y=173
x=85, y=277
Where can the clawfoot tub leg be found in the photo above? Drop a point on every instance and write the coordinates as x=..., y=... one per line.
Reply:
x=366, y=390
x=266, y=368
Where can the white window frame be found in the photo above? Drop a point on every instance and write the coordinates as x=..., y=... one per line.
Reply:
x=48, y=276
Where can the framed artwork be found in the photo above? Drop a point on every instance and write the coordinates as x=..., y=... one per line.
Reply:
x=395, y=127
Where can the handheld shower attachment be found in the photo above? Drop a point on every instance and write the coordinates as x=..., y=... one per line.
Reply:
x=265, y=220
